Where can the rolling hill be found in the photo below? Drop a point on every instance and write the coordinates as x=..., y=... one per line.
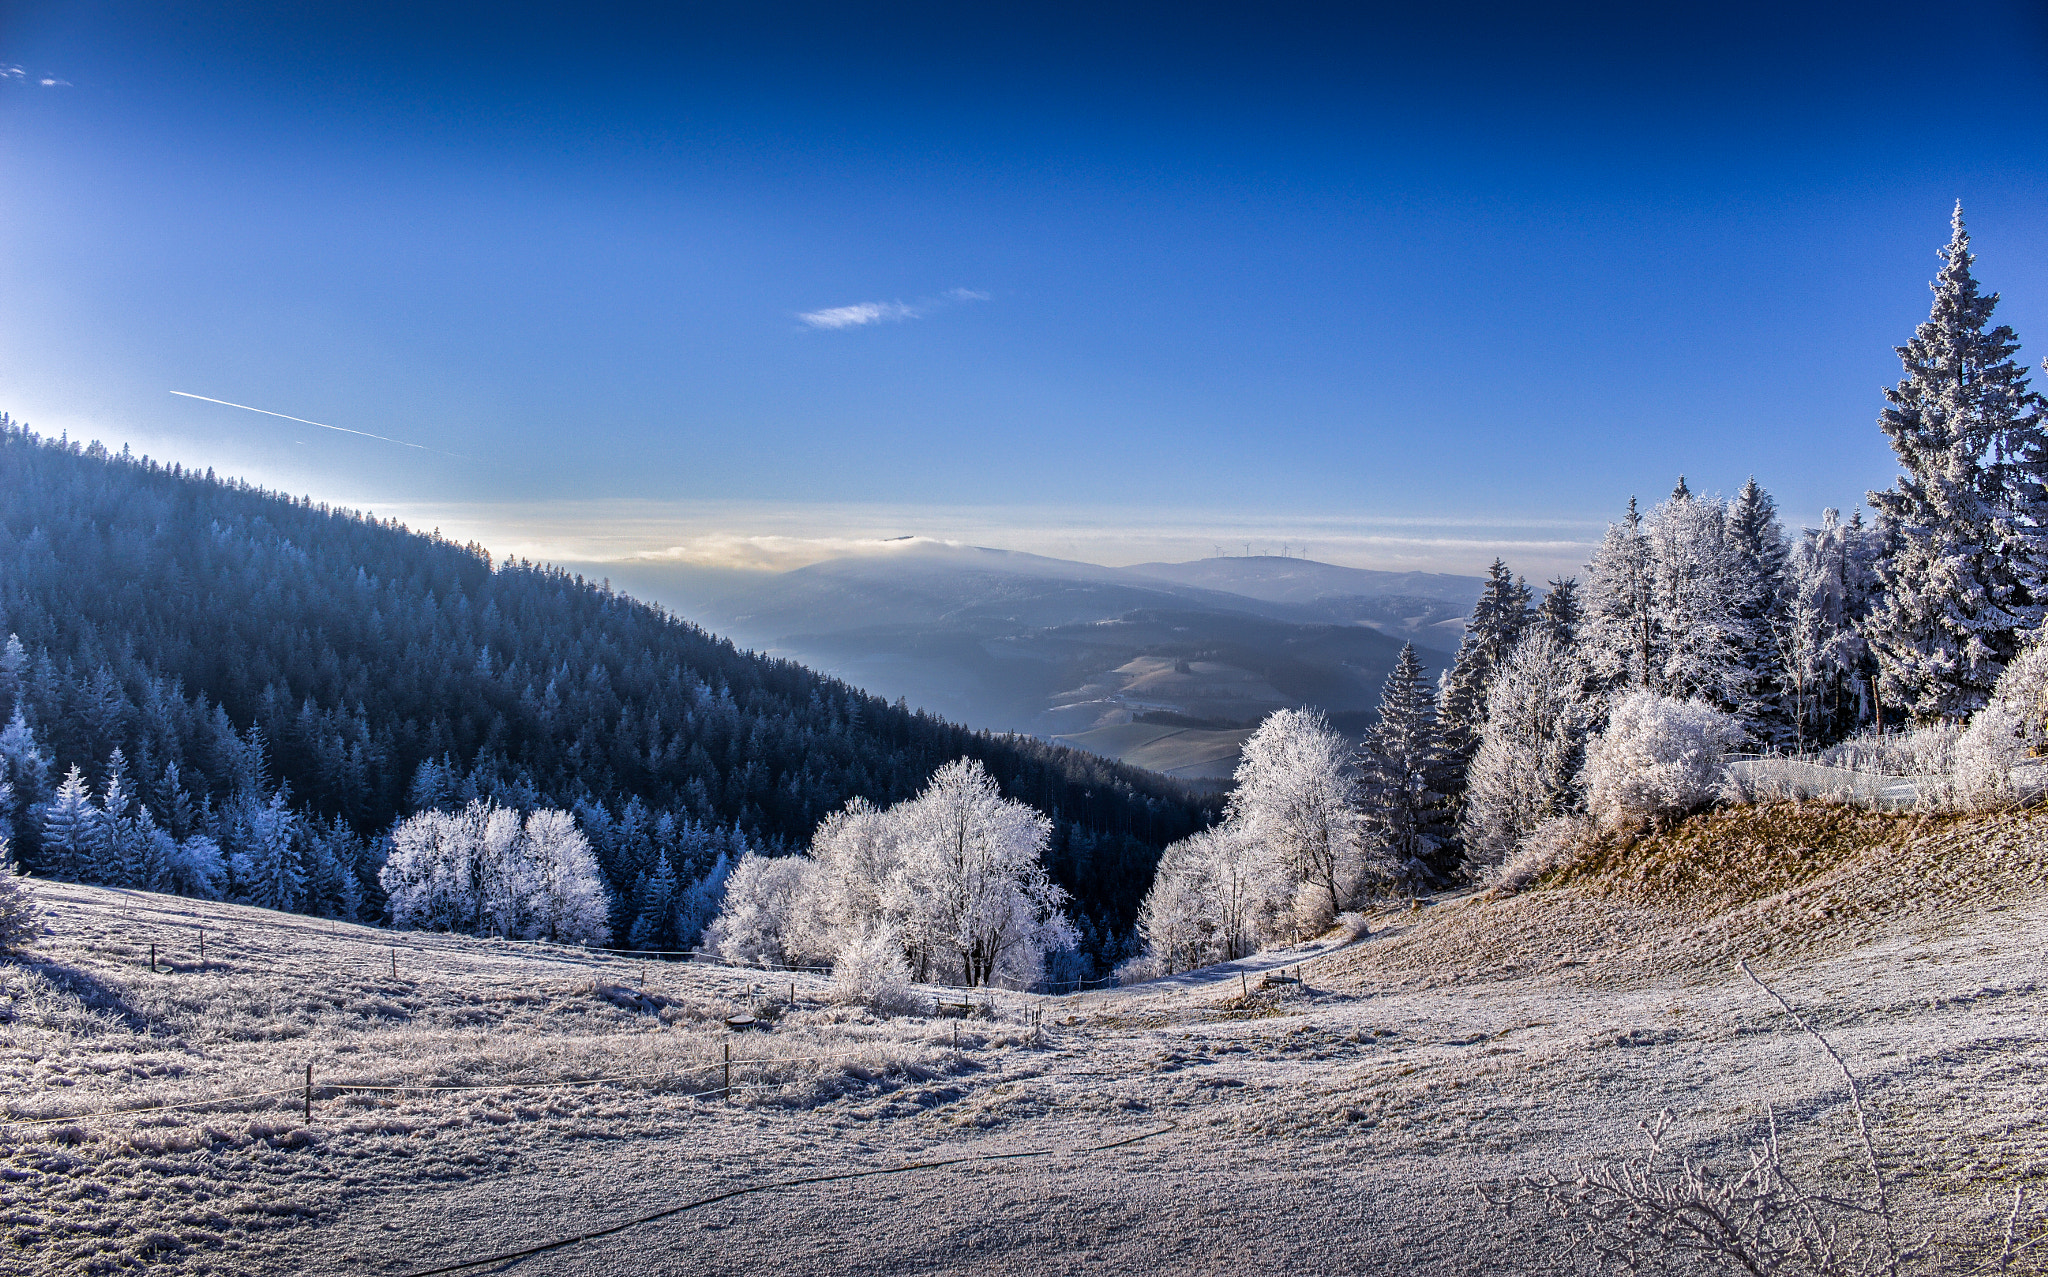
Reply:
x=1063, y=650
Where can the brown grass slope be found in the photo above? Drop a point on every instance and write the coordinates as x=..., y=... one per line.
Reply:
x=1778, y=881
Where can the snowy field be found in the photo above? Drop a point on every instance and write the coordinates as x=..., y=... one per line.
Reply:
x=1341, y=1124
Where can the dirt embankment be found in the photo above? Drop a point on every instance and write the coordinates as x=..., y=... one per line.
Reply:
x=1776, y=881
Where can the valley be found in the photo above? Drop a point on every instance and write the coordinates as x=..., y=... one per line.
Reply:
x=1085, y=655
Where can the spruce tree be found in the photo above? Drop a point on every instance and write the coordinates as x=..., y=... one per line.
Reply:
x=70, y=829
x=1498, y=619
x=1621, y=622
x=1758, y=540
x=1401, y=770
x=1965, y=576
x=1561, y=613
x=655, y=926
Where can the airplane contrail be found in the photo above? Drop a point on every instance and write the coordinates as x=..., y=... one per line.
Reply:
x=302, y=421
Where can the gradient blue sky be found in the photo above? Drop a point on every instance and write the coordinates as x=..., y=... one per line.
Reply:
x=1397, y=289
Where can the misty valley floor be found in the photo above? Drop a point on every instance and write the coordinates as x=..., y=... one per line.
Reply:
x=1340, y=1128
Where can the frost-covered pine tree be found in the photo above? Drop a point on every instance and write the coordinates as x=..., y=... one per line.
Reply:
x=1965, y=576
x=655, y=927
x=20, y=921
x=1825, y=596
x=1758, y=542
x=70, y=828
x=25, y=768
x=267, y=862
x=117, y=858
x=1402, y=770
x=1562, y=611
x=1498, y=619
x=1704, y=642
x=1619, y=634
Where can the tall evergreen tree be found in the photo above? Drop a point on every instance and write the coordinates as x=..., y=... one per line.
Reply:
x=71, y=829
x=1402, y=771
x=1757, y=540
x=1621, y=621
x=1965, y=575
x=1498, y=619
x=1561, y=612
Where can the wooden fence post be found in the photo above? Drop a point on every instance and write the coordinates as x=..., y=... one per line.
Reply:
x=202, y=946
x=152, y=958
x=309, y=1092
x=394, y=962
x=728, y=1073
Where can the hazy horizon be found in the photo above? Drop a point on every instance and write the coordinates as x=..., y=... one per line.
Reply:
x=1401, y=290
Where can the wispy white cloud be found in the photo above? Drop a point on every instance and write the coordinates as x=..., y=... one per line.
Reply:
x=20, y=75
x=858, y=314
x=861, y=314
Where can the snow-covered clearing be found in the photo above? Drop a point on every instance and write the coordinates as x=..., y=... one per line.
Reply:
x=1339, y=1125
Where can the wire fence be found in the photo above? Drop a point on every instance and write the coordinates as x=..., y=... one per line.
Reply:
x=1796, y=776
x=313, y=1091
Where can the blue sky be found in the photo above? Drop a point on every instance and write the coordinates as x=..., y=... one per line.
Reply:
x=1392, y=289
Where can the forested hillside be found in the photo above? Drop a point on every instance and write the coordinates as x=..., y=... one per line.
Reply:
x=287, y=680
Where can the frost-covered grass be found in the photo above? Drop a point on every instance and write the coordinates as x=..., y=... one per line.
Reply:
x=1335, y=1124
x=90, y=1031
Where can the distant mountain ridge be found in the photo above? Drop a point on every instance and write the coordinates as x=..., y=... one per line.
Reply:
x=1067, y=650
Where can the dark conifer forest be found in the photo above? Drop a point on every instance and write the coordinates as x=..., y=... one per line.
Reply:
x=205, y=651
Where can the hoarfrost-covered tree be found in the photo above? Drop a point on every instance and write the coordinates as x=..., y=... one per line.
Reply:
x=1296, y=796
x=1179, y=918
x=1403, y=774
x=1966, y=522
x=267, y=862
x=71, y=829
x=1218, y=895
x=563, y=894
x=956, y=875
x=483, y=871
x=971, y=894
x=20, y=922
x=2008, y=733
x=1537, y=721
x=1562, y=612
x=1621, y=622
x=858, y=850
x=1827, y=589
x=1704, y=637
x=1498, y=619
x=25, y=769
x=1757, y=539
x=654, y=926
x=763, y=895
x=1658, y=757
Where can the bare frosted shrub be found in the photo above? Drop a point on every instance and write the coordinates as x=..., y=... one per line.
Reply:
x=1146, y=966
x=870, y=972
x=1929, y=751
x=1992, y=757
x=1658, y=757
x=1551, y=845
